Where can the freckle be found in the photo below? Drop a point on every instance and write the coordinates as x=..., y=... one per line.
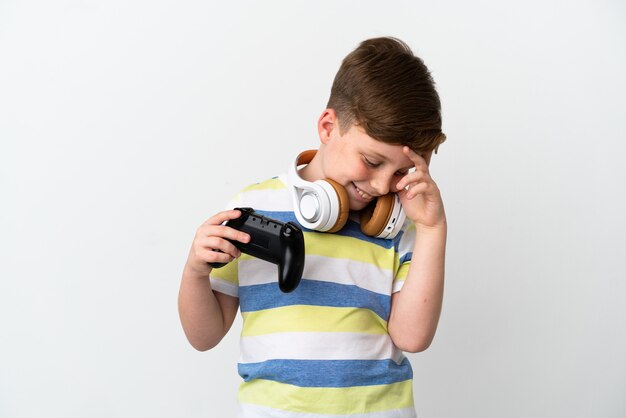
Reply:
x=425, y=300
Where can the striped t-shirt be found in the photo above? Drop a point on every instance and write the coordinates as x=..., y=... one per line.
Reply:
x=322, y=350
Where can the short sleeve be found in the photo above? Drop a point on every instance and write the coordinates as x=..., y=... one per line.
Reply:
x=226, y=279
x=403, y=245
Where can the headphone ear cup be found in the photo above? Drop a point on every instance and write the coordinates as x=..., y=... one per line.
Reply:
x=374, y=217
x=344, y=205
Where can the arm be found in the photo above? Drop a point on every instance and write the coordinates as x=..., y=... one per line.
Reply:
x=206, y=316
x=415, y=309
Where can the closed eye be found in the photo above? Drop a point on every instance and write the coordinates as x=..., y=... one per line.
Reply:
x=370, y=163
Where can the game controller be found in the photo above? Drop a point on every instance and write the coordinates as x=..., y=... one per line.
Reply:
x=274, y=241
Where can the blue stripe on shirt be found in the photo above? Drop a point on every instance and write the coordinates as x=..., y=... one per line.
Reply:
x=406, y=257
x=351, y=229
x=316, y=293
x=328, y=373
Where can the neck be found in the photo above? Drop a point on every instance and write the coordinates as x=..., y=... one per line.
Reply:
x=313, y=170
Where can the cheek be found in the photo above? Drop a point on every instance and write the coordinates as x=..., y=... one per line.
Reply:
x=356, y=174
x=360, y=172
x=357, y=169
x=348, y=171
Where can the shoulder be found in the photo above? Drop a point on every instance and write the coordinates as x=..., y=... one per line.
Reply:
x=269, y=194
x=404, y=241
x=273, y=183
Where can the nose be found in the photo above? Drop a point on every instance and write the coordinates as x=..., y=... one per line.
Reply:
x=380, y=183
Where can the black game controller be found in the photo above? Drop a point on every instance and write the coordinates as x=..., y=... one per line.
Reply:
x=274, y=241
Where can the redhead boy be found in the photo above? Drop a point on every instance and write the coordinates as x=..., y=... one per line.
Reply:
x=334, y=347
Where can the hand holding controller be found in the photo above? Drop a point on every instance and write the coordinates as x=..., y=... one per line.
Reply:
x=274, y=241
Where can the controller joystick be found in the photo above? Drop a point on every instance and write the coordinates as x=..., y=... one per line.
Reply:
x=274, y=241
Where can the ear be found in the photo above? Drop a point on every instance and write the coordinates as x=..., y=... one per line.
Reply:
x=326, y=124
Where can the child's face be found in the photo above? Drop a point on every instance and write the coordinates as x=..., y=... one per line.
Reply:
x=367, y=168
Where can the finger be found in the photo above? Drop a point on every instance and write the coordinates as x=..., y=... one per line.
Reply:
x=215, y=226
x=217, y=244
x=214, y=256
x=222, y=217
x=224, y=231
x=414, y=156
x=416, y=176
x=417, y=189
x=427, y=157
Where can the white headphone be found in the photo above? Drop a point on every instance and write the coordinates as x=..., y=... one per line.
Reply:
x=324, y=205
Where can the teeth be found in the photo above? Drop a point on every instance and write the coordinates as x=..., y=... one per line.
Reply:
x=363, y=194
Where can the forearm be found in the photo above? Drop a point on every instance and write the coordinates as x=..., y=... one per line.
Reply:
x=200, y=312
x=416, y=308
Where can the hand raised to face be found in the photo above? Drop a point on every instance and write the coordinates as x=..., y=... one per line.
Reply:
x=419, y=194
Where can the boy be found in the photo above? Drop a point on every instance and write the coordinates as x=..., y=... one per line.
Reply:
x=334, y=346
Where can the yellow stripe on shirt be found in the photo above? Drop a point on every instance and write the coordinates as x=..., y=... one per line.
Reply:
x=314, y=400
x=340, y=246
x=271, y=184
x=301, y=318
x=228, y=273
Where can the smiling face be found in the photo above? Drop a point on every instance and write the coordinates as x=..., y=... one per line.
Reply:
x=365, y=167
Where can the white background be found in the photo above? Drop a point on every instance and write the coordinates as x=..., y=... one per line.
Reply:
x=125, y=124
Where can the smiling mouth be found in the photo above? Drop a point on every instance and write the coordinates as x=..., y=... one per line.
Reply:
x=362, y=194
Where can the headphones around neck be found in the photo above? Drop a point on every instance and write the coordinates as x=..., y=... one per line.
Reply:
x=323, y=205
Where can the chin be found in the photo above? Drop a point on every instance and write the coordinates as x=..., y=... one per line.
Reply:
x=357, y=206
